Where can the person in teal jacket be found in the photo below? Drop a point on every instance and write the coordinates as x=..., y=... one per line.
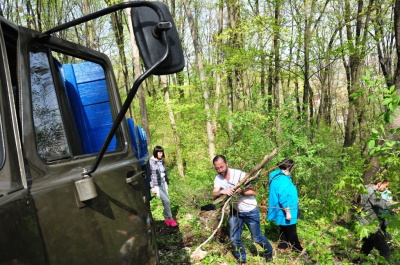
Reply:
x=283, y=205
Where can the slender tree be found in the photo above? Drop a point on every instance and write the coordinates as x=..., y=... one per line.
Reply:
x=356, y=32
x=141, y=93
x=277, y=62
x=118, y=29
x=179, y=161
x=325, y=77
x=203, y=84
x=236, y=43
x=218, y=72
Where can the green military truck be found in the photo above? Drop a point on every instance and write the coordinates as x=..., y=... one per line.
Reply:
x=72, y=190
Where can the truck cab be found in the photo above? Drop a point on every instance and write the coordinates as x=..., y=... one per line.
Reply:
x=72, y=190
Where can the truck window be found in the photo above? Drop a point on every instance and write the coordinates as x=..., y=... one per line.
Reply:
x=51, y=140
x=70, y=104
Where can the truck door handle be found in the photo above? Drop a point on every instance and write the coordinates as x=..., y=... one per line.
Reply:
x=135, y=178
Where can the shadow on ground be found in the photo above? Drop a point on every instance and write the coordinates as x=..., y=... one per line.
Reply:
x=171, y=242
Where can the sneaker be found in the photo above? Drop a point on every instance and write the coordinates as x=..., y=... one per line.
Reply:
x=172, y=223
x=168, y=222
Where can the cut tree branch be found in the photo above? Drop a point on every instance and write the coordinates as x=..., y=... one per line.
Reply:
x=249, y=174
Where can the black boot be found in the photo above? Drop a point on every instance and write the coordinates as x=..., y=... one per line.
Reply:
x=268, y=257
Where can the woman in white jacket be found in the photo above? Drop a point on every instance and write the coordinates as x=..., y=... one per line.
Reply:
x=159, y=183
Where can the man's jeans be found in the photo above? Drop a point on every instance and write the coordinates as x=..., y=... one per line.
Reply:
x=252, y=220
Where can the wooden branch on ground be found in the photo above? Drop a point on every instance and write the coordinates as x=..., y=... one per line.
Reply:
x=249, y=174
x=197, y=250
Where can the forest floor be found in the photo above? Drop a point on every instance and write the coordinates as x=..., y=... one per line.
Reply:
x=176, y=244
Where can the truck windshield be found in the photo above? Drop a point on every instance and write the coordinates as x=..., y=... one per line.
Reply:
x=70, y=106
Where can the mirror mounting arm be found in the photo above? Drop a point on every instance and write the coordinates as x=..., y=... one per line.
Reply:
x=160, y=28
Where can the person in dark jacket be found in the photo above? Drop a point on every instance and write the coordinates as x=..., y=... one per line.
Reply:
x=159, y=183
x=372, y=204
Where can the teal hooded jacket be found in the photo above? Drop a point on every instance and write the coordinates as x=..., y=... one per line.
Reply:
x=282, y=194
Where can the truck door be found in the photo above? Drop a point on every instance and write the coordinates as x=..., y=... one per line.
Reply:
x=20, y=237
x=68, y=99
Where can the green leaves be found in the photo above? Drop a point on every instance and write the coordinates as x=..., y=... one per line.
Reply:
x=343, y=192
x=358, y=93
x=391, y=100
x=380, y=142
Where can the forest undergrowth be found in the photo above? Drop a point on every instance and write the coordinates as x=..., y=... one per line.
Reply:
x=328, y=178
x=326, y=241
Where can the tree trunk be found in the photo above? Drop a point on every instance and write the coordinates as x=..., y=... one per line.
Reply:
x=289, y=76
x=218, y=81
x=89, y=31
x=199, y=59
x=276, y=44
x=263, y=63
x=357, y=48
x=270, y=83
x=141, y=94
x=30, y=15
x=308, y=111
x=236, y=44
x=296, y=88
x=118, y=29
x=177, y=140
x=306, y=86
x=324, y=112
x=384, y=38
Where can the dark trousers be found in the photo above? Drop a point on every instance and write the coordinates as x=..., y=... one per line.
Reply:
x=376, y=240
x=288, y=238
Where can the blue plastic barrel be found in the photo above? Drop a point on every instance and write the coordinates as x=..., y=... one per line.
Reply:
x=86, y=88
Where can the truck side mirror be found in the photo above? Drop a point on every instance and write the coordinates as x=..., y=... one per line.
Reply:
x=145, y=22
